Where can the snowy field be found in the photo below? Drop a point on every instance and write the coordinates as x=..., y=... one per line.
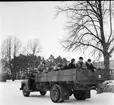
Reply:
x=11, y=95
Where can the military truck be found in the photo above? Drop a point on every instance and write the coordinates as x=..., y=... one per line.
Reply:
x=63, y=83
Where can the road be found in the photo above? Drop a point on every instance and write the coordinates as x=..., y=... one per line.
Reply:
x=11, y=95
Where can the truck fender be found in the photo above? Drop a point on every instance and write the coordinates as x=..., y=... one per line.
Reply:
x=24, y=83
x=64, y=92
x=88, y=94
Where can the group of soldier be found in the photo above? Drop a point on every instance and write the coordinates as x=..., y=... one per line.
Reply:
x=43, y=67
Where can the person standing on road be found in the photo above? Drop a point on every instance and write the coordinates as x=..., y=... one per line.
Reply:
x=31, y=80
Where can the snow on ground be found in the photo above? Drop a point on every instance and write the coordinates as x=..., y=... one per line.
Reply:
x=11, y=95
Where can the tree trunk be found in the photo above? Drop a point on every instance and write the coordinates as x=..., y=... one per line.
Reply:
x=107, y=65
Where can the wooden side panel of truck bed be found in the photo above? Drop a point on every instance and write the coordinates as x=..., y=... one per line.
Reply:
x=66, y=75
x=82, y=75
x=53, y=76
x=88, y=76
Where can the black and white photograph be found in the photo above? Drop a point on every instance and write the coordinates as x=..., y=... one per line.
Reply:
x=57, y=52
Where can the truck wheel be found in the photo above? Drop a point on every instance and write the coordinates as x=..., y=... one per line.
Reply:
x=26, y=93
x=79, y=95
x=43, y=93
x=55, y=93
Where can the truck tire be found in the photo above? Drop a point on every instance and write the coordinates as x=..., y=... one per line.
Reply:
x=43, y=93
x=26, y=93
x=55, y=93
x=79, y=95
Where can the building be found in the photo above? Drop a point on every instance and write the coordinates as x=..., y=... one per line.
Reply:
x=101, y=64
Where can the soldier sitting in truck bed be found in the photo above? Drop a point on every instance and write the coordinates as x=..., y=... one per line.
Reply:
x=59, y=66
x=65, y=65
x=80, y=63
x=72, y=64
x=90, y=66
x=41, y=67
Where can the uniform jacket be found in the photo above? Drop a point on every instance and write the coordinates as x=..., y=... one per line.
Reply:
x=80, y=65
x=90, y=66
x=71, y=66
x=41, y=67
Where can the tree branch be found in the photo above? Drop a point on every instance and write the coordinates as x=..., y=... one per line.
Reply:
x=92, y=8
x=110, y=22
x=111, y=51
x=88, y=44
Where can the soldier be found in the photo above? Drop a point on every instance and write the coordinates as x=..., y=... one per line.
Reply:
x=51, y=65
x=80, y=63
x=72, y=64
x=65, y=66
x=41, y=67
x=90, y=66
x=46, y=69
x=31, y=80
x=59, y=66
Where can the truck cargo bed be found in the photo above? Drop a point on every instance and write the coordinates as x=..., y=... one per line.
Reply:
x=75, y=75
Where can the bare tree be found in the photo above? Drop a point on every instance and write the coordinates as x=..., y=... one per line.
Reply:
x=7, y=53
x=33, y=47
x=90, y=24
x=16, y=46
x=6, y=48
x=9, y=49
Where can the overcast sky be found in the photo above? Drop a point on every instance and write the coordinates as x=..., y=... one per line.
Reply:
x=29, y=20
